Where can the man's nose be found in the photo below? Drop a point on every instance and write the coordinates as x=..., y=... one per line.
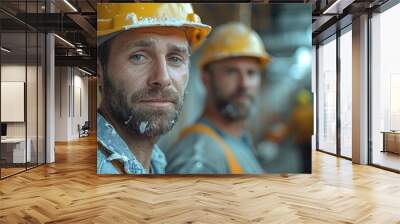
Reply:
x=160, y=77
x=244, y=80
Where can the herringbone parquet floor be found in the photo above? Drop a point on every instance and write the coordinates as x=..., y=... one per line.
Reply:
x=69, y=191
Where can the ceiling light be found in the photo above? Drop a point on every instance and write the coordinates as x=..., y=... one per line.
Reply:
x=84, y=71
x=5, y=50
x=70, y=5
x=64, y=40
x=331, y=7
x=337, y=7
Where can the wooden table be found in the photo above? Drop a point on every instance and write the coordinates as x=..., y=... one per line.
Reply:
x=391, y=141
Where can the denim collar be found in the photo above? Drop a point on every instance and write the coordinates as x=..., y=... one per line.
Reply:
x=117, y=149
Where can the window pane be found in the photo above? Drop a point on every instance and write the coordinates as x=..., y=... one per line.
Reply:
x=327, y=97
x=14, y=148
x=345, y=94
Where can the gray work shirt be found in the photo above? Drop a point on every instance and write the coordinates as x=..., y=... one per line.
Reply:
x=199, y=153
x=112, y=147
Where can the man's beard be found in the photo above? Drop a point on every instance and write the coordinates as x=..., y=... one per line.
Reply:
x=143, y=121
x=230, y=107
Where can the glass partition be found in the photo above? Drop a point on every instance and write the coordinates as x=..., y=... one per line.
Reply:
x=14, y=153
x=22, y=90
x=31, y=100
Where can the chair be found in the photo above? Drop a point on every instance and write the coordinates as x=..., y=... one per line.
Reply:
x=84, y=130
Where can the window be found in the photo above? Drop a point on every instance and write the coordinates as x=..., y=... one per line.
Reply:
x=327, y=97
x=346, y=94
x=385, y=89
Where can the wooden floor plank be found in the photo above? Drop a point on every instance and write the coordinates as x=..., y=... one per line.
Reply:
x=70, y=191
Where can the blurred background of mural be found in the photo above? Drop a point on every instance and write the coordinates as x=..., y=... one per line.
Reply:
x=283, y=124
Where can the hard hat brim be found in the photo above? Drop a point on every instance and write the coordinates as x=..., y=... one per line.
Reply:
x=202, y=30
x=264, y=60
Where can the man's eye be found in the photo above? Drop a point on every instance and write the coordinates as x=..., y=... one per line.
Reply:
x=231, y=71
x=138, y=58
x=176, y=60
x=252, y=73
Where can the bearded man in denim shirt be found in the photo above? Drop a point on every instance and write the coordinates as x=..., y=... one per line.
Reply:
x=143, y=70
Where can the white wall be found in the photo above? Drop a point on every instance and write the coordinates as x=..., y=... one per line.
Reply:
x=69, y=85
x=16, y=73
x=80, y=84
x=33, y=126
x=61, y=103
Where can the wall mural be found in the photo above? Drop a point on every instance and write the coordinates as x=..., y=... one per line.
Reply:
x=188, y=90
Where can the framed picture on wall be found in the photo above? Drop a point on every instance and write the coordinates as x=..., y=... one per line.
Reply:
x=188, y=90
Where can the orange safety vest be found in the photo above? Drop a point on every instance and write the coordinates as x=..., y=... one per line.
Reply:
x=233, y=164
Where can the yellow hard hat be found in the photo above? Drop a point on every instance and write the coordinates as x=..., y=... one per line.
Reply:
x=113, y=18
x=233, y=40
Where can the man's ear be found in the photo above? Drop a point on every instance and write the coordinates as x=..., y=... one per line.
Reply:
x=100, y=75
